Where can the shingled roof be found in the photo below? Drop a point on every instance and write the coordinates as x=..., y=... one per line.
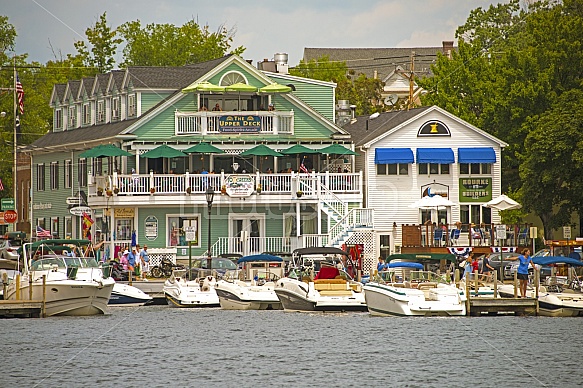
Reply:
x=380, y=60
x=385, y=122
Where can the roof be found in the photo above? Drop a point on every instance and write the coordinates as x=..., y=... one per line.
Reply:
x=381, y=60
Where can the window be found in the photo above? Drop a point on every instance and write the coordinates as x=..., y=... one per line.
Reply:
x=68, y=173
x=97, y=166
x=475, y=168
x=82, y=172
x=307, y=224
x=58, y=119
x=100, y=112
x=115, y=108
x=86, y=114
x=131, y=105
x=54, y=175
x=72, y=117
x=68, y=227
x=433, y=168
x=393, y=169
x=55, y=227
x=177, y=236
x=40, y=177
x=124, y=228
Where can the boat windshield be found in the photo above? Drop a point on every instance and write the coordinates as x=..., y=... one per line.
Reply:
x=47, y=263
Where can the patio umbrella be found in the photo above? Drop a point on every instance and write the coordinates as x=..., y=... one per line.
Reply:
x=204, y=148
x=163, y=151
x=430, y=202
x=503, y=202
x=203, y=86
x=104, y=150
x=260, y=150
x=275, y=88
x=298, y=150
x=240, y=87
x=337, y=149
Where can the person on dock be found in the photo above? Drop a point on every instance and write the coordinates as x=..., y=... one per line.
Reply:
x=145, y=259
x=475, y=263
x=522, y=272
x=487, y=267
x=381, y=264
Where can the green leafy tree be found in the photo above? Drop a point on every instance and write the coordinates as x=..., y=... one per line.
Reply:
x=103, y=43
x=168, y=45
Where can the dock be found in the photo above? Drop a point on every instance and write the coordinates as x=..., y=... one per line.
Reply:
x=154, y=288
x=502, y=306
x=22, y=309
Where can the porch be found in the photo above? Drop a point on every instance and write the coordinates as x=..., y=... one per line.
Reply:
x=257, y=122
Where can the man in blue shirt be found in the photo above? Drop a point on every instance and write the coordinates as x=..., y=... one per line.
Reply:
x=132, y=259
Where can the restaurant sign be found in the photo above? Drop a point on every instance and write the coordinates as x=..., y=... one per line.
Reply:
x=247, y=123
x=475, y=189
x=239, y=185
x=151, y=228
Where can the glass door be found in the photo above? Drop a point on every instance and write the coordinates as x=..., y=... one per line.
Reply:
x=246, y=235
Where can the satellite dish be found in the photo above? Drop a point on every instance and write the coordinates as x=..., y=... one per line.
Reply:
x=391, y=99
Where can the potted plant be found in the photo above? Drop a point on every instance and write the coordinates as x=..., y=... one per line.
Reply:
x=108, y=192
x=115, y=190
x=188, y=190
x=223, y=189
x=259, y=188
x=152, y=190
x=100, y=191
x=299, y=193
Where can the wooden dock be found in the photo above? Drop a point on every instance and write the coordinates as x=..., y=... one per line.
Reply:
x=502, y=306
x=22, y=309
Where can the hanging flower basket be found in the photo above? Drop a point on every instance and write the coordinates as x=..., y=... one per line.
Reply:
x=299, y=193
x=152, y=190
x=100, y=191
x=109, y=192
x=115, y=190
x=223, y=189
x=188, y=190
x=259, y=189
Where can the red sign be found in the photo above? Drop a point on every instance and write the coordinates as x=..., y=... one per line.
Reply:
x=10, y=216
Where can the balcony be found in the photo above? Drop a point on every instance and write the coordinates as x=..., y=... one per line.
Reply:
x=249, y=122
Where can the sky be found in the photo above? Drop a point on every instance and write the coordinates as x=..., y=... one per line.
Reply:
x=47, y=29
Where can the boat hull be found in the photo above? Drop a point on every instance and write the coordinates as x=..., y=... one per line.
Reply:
x=246, y=297
x=190, y=294
x=124, y=295
x=552, y=304
x=386, y=300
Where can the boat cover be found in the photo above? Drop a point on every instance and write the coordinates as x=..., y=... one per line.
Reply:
x=405, y=264
x=548, y=260
x=260, y=257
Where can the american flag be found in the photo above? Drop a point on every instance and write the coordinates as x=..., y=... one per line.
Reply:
x=303, y=168
x=40, y=232
x=1, y=185
x=20, y=95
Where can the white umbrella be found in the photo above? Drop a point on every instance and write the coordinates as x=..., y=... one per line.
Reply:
x=434, y=201
x=503, y=202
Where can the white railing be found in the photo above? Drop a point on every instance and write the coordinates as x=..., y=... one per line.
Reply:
x=254, y=245
x=202, y=123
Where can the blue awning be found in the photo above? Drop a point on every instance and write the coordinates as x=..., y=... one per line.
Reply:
x=476, y=155
x=393, y=155
x=435, y=155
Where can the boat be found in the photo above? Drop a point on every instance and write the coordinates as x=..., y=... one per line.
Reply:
x=405, y=289
x=72, y=285
x=252, y=286
x=181, y=292
x=316, y=283
x=124, y=295
x=558, y=296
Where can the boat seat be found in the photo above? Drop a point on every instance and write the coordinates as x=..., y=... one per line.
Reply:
x=335, y=293
x=427, y=285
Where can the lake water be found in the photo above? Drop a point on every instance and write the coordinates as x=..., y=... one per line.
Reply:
x=159, y=346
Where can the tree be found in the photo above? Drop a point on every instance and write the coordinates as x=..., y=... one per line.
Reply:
x=168, y=45
x=103, y=46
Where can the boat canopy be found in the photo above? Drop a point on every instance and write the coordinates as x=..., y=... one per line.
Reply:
x=422, y=257
x=319, y=251
x=260, y=257
x=549, y=260
x=405, y=264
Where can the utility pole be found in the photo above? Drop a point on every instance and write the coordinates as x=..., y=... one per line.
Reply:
x=411, y=81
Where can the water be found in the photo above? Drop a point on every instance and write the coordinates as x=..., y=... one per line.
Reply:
x=159, y=346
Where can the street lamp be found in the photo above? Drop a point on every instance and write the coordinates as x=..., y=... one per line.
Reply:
x=210, y=193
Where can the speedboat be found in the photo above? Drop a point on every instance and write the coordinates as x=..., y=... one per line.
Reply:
x=124, y=295
x=200, y=292
x=318, y=284
x=252, y=286
x=406, y=290
x=558, y=296
x=67, y=287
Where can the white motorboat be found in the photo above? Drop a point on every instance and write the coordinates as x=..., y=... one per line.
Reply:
x=70, y=288
x=200, y=292
x=413, y=293
x=317, y=284
x=558, y=296
x=124, y=295
x=251, y=287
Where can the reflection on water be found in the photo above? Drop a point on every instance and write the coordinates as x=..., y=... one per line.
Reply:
x=158, y=346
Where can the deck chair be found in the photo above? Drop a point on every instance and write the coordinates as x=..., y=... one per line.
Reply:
x=454, y=236
x=437, y=237
x=485, y=236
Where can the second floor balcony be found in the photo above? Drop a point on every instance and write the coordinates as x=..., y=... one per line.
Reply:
x=247, y=122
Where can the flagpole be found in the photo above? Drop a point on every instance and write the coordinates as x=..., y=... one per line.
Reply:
x=15, y=159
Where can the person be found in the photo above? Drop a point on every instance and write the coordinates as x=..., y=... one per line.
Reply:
x=217, y=108
x=475, y=263
x=487, y=267
x=475, y=233
x=381, y=264
x=132, y=260
x=271, y=108
x=203, y=108
x=145, y=259
x=522, y=272
x=124, y=260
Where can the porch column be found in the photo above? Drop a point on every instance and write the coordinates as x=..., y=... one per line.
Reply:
x=298, y=219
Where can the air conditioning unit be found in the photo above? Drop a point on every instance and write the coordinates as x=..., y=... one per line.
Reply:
x=397, y=248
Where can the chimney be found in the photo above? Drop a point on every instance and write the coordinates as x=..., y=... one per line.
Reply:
x=447, y=47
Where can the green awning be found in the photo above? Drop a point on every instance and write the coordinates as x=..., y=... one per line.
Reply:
x=104, y=150
x=163, y=151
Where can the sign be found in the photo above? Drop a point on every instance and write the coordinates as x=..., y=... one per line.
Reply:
x=239, y=185
x=10, y=216
x=239, y=123
x=124, y=212
x=151, y=228
x=190, y=233
x=533, y=232
x=475, y=189
x=500, y=232
x=8, y=204
x=567, y=232
x=79, y=210
x=73, y=200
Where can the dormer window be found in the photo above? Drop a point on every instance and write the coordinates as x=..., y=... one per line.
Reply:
x=59, y=119
x=101, y=111
x=131, y=105
x=72, y=117
x=115, y=108
x=86, y=114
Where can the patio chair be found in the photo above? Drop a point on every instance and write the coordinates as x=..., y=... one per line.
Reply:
x=454, y=236
x=485, y=236
x=475, y=235
x=438, y=237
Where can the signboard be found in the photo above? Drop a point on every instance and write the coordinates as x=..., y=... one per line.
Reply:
x=79, y=210
x=73, y=200
x=124, y=212
x=246, y=123
x=239, y=185
x=475, y=189
x=533, y=232
x=500, y=232
x=8, y=204
x=190, y=233
x=10, y=216
x=566, y=232
x=151, y=228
